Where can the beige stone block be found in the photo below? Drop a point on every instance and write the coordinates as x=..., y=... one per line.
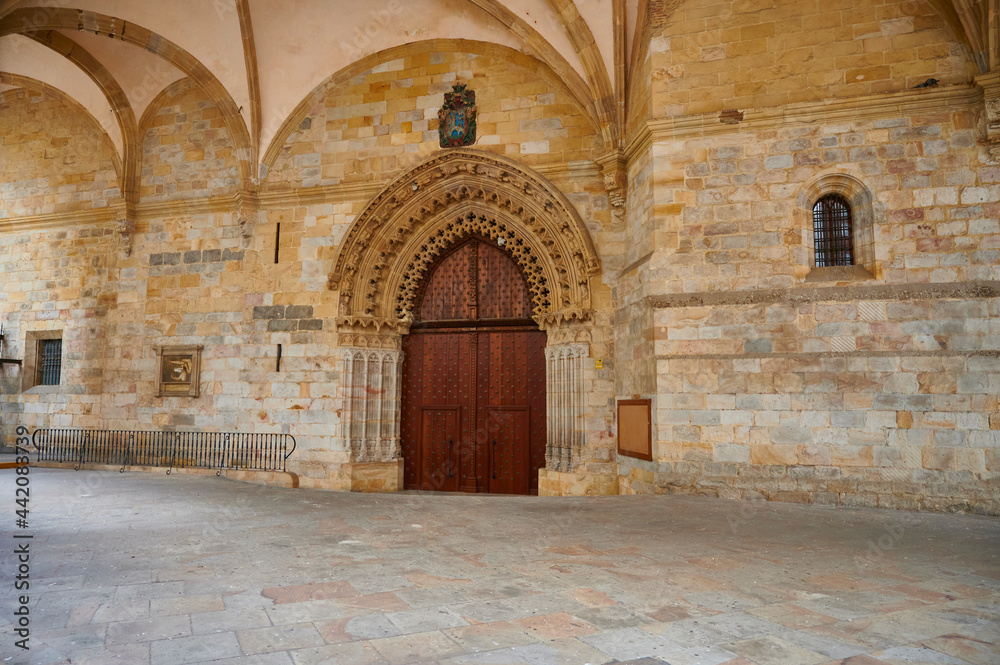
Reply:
x=851, y=455
x=762, y=453
x=813, y=455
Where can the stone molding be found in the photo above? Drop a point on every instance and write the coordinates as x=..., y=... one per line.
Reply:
x=848, y=293
x=868, y=107
x=277, y=199
x=564, y=405
x=387, y=250
x=56, y=220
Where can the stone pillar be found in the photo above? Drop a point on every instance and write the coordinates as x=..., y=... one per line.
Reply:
x=564, y=405
x=371, y=388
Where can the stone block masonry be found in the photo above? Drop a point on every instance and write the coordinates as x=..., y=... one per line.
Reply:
x=870, y=384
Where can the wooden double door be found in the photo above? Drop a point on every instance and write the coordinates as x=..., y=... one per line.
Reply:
x=473, y=412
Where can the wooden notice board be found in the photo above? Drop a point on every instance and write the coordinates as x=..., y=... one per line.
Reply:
x=635, y=428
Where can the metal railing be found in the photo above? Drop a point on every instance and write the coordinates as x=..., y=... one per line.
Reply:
x=205, y=450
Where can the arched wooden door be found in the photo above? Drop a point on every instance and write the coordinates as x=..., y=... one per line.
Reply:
x=473, y=412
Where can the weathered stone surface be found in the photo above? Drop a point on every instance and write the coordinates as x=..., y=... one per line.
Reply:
x=268, y=312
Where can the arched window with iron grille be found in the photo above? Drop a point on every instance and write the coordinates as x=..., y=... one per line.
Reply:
x=833, y=231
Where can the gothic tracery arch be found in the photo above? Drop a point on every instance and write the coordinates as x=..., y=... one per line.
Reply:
x=389, y=247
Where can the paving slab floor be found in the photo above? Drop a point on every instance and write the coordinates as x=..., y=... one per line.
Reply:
x=140, y=569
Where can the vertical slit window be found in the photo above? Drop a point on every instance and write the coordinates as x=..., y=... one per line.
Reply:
x=833, y=231
x=50, y=362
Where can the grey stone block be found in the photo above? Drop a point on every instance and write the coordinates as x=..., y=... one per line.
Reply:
x=310, y=324
x=193, y=256
x=268, y=312
x=757, y=346
x=281, y=325
x=210, y=255
x=298, y=312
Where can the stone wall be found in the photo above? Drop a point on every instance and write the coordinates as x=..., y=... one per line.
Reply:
x=768, y=377
x=385, y=120
x=241, y=281
x=55, y=280
x=187, y=150
x=712, y=56
x=56, y=158
x=776, y=379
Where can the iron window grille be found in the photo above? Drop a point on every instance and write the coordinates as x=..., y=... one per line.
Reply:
x=833, y=231
x=50, y=362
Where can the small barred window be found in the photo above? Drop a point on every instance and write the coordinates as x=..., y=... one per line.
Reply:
x=50, y=362
x=833, y=231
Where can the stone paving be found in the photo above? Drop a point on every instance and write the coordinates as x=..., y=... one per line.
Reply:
x=149, y=569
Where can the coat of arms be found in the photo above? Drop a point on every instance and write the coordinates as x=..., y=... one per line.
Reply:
x=457, y=118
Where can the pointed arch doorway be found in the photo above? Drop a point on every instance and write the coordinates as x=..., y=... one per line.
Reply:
x=473, y=378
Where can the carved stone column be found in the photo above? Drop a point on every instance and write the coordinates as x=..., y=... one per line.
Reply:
x=564, y=405
x=371, y=384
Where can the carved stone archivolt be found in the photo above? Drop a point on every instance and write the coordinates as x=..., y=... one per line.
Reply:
x=389, y=248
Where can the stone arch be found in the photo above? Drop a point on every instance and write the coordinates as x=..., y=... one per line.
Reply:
x=865, y=210
x=389, y=247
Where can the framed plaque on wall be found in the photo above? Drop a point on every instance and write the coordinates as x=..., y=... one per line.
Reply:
x=178, y=371
x=635, y=428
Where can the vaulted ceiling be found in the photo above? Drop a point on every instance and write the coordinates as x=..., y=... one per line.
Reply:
x=259, y=59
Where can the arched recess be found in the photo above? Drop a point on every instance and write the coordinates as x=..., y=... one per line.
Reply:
x=389, y=247
x=117, y=100
x=565, y=78
x=387, y=254
x=866, y=213
x=26, y=20
x=35, y=85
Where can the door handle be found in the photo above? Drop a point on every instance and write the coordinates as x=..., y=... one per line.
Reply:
x=494, y=459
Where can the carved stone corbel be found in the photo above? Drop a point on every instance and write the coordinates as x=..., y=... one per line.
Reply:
x=247, y=213
x=989, y=125
x=613, y=169
x=124, y=217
